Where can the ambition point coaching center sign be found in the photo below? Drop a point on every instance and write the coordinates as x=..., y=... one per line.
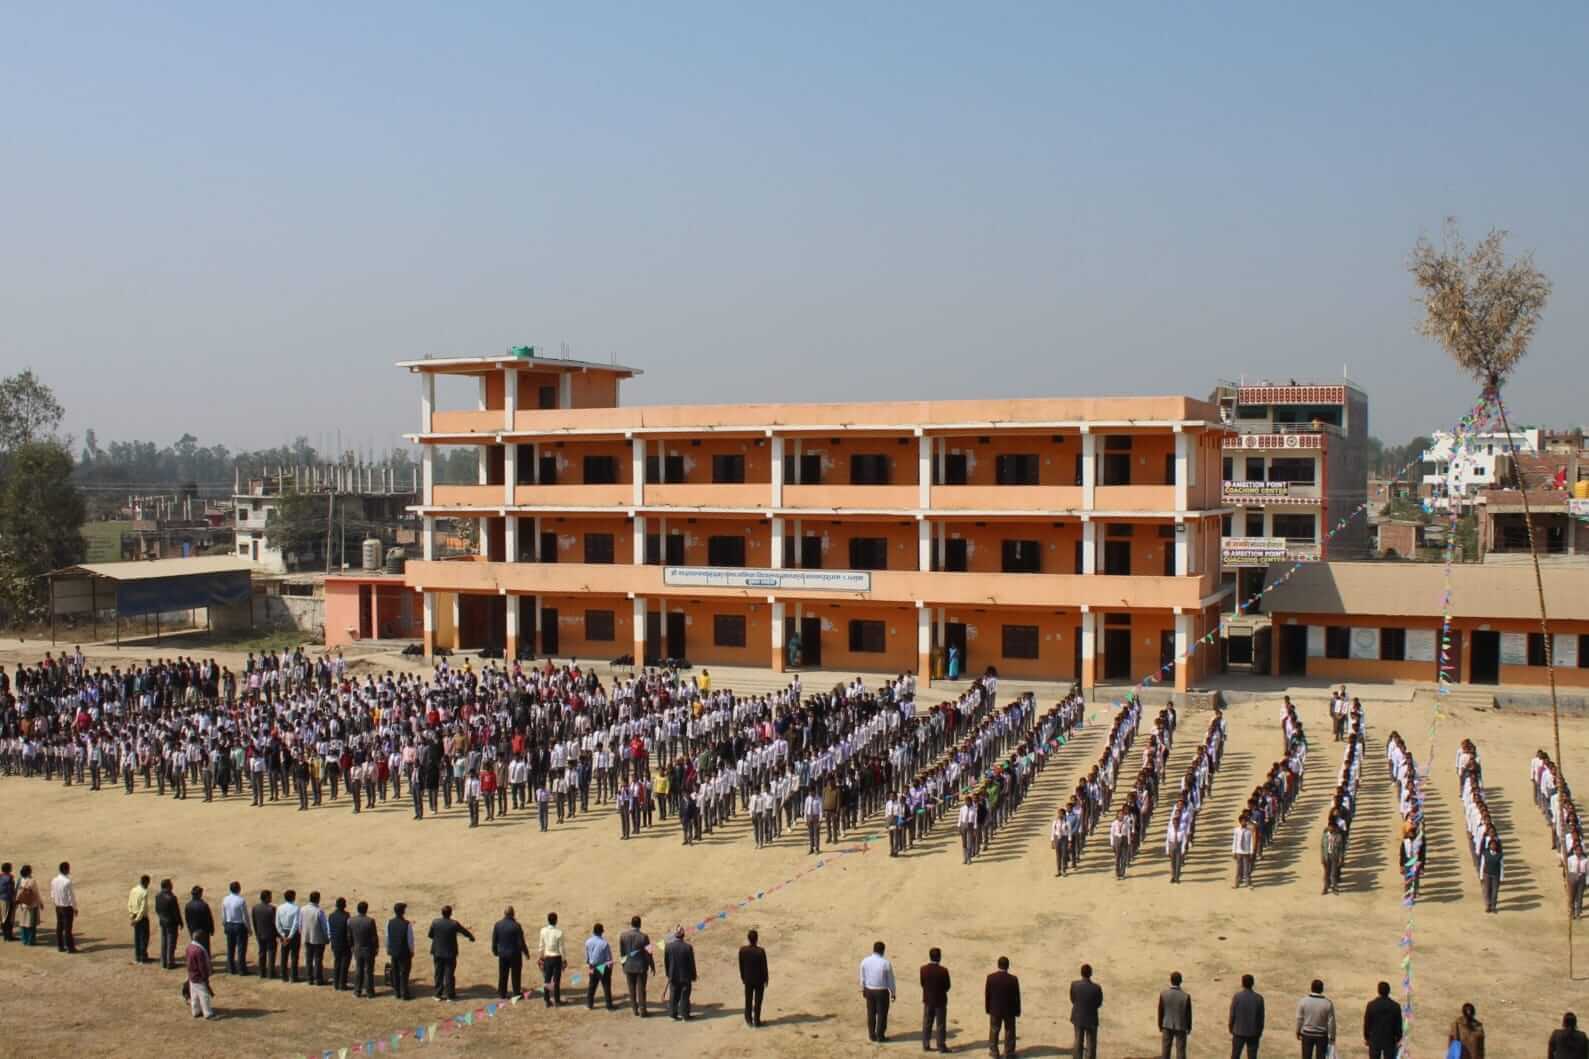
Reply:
x=1252, y=551
x=739, y=577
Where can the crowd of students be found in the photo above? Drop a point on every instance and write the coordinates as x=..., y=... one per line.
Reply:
x=1135, y=815
x=1411, y=849
x=1553, y=798
x=1343, y=803
x=1272, y=799
x=1181, y=830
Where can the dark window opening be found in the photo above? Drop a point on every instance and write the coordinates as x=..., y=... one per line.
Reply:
x=598, y=548
x=1538, y=649
x=1337, y=641
x=868, y=553
x=601, y=470
x=868, y=637
x=1393, y=645
x=725, y=550
x=1022, y=557
x=955, y=471
x=1116, y=468
x=1020, y=641
x=728, y=630
x=1117, y=558
x=600, y=626
x=728, y=468
x=1016, y=469
x=870, y=469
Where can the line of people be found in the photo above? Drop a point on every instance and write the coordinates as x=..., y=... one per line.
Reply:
x=1343, y=803
x=1131, y=823
x=1272, y=799
x=1181, y=830
x=1412, y=850
x=1553, y=798
x=1095, y=791
x=1484, y=839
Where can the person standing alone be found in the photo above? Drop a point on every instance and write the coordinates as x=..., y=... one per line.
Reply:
x=1086, y=997
x=753, y=976
x=64, y=897
x=1246, y=1020
x=1001, y=999
x=1175, y=1017
x=877, y=986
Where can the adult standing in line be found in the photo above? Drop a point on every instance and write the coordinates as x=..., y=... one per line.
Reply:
x=64, y=897
x=1569, y=1042
x=29, y=903
x=316, y=932
x=1382, y=1025
x=877, y=986
x=234, y=922
x=552, y=961
x=1468, y=1031
x=1001, y=999
x=169, y=915
x=8, y=899
x=1246, y=1020
x=288, y=936
x=510, y=948
x=1316, y=1022
x=934, y=1000
x=199, y=917
x=201, y=994
x=812, y=812
x=366, y=939
x=138, y=914
x=264, y=915
x=400, y=950
x=598, y=961
x=1175, y=1017
x=753, y=976
x=678, y=962
x=444, y=931
x=634, y=949
x=337, y=925
x=1086, y=997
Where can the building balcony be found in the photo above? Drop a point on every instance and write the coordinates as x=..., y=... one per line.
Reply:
x=1006, y=497
x=852, y=497
x=470, y=421
x=1134, y=498
x=756, y=495
x=1281, y=437
x=467, y=497
x=1051, y=591
x=612, y=494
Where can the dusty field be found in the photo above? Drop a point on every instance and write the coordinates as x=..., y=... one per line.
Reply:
x=1134, y=932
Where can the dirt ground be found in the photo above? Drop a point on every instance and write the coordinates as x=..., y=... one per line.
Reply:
x=1513, y=965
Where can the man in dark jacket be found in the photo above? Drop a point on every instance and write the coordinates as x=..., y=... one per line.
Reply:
x=264, y=917
x=341, y=945
x=678, y=962
x=198, y=918
x=1086, y=997
x=753, y=975
x=444, y=931
x=400, y=949
x=934, y=999
x=1175, y=1017
x=509, y=947
x=1382, y=1025
x=1569, y=1042
x=366, y=938
x=169, y=914
x=634, y=951
x=1001, y=998
x=1246, y=1020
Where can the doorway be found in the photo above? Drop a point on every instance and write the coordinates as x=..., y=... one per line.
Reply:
x=1117, y=655
x=548, y=631
x=810, y=640
x=1293, y=650
x=653, y=636
x=1453, y=668
x=548, y=547
x=677, y=647
x=527, y=630
x=1486, y=657
x=1167, y=654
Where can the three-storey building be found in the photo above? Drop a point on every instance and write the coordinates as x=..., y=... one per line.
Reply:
x=1064, y=538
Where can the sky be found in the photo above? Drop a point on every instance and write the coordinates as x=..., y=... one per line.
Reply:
x=232, y=220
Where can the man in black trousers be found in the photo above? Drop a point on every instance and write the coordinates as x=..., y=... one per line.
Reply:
x=199, y=918
x=678, y=962
x=444, y=931
x=400, y=948
x=169, y=914
x=341, y=944
x=934, y=1000
x=1382, y=1025
x=365, y=936
x=264, y=917
x=509, y=947
x=1086, y=997
x=1246, y=1020
x=753, y=974
x=1001, y=999
x=634, y=951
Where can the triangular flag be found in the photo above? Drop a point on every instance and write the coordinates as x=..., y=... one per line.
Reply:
x=432, y=1032
x=468, y=1018
x=419, y=1033
x=491, y=1011
x=380, y=1046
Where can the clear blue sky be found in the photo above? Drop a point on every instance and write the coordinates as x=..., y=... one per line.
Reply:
x=232, y=219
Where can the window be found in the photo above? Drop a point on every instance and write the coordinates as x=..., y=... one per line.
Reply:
x=1226, y=522
x=728, y=630
x=955, y=471
x=547, y=470
x=524, y=466
x=1020, y=641
x=598, y=548
x=1254, y=523
x=955, y=556
x=546, y=397
x=1117, y=558
x=1117, y=618
x=673, y=553
x=1294, y=527
x=727, y=550
x=1337, y=641
x=728, y=468
x=1169, y=468
x=811, y=552
x=868, y=553
x=653, y=470
x=1116, y=468
x=1023, y=557
x=653, y=549
x=868, y=637
x=1538, y=649
x=1393, y=645
x=1583, y=652
x=1118, y=529
x=869, y=469
x=1228, y=467
x=1117, y=443
x=808, y=467
x=599, y=626
x=1255, y=468
x=1291, y=469
x=1081, y=558
x=1016, y=469
x=1081, y=468
x=601, y=470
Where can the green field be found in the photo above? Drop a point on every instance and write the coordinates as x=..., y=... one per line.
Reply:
x=104, y=540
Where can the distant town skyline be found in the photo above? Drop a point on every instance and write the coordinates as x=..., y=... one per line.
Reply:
x=233, y=224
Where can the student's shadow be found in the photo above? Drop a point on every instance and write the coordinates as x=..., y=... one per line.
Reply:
x=799, y=1018
x=247, y=1013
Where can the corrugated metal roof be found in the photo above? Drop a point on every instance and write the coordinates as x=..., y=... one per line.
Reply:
x=1393, y=589
x=150, y=568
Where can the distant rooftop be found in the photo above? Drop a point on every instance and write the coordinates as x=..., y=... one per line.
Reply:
x=475, y=365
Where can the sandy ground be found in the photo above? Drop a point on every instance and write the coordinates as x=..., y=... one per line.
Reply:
x=1512, y=965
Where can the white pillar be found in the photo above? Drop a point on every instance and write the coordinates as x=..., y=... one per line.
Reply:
x=480, y=393
x=799, y=460
x=513, y=620
x=427, y=402
x=565, y=390
x=427, y=465
x=777, y=629
x=457, y=618
x=1089, y=467
x=637, y=469
x=539, y=626
x=1186, y=548
x=485, y=459
x=639, y=623
x=798, y=558
x=923, y=544
x=510, y=538
x=484, y=533
x=923, y=630
x=943, y=537
x=1182, y=469
x=510, y=396
x=639, y=540
x=777, y=469
x=1089, y=546
x=510, y=471
x=923, y=473
x=1183, y=641
x=539, y=558
x=1089, y=646
x=427, y=540
x=430, y=612
x=778, y=557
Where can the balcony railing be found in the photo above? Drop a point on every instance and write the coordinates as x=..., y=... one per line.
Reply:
x=1006, y=497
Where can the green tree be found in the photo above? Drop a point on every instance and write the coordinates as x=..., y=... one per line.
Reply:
x=28, y=411
x=41, y=515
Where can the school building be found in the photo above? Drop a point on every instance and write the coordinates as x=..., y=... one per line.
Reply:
x=1052, y=538
x=1371, y=622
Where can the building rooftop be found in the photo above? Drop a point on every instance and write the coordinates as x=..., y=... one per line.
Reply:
x=476, y=365
x=1392, y=589
x=140, y=570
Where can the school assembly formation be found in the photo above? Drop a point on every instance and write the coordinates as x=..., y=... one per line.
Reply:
x=658, y=746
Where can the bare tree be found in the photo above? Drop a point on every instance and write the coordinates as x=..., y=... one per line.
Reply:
x=1483, y=310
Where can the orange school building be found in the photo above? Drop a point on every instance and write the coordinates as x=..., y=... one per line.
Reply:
x=1380, y=622
x=1051, y=538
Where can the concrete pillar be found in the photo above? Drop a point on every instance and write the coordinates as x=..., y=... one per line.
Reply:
x=1183, y=546
x=777, y=469
x=480, y=393
x=1089, y=649
x=510, y=472
x=639, y=623
x=483, y=534
x=427, y=466
x=565, y=390
x=510, y=538
x=639, y=540
x=485, y=463
x=535, y=463
x=1183, y=642
x=539, y=624
x=777, y=636
x=637, y=467
x=430, y=624
x=923, y=472
x=924, y=644
x=799, y=460
x=427, y=402
x=943, y=537
x=537, y=550
x=1089, y=546
x=923, y=544
x=511, y=639
x=1183, y=469
x=427, y=538
x=778, y=557
x=510, y=400
x=1089, y=468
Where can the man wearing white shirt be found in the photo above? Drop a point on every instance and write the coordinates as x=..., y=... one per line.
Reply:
x=291, y=937
x=877, y=986
x=65, y=899
x=812, y=812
